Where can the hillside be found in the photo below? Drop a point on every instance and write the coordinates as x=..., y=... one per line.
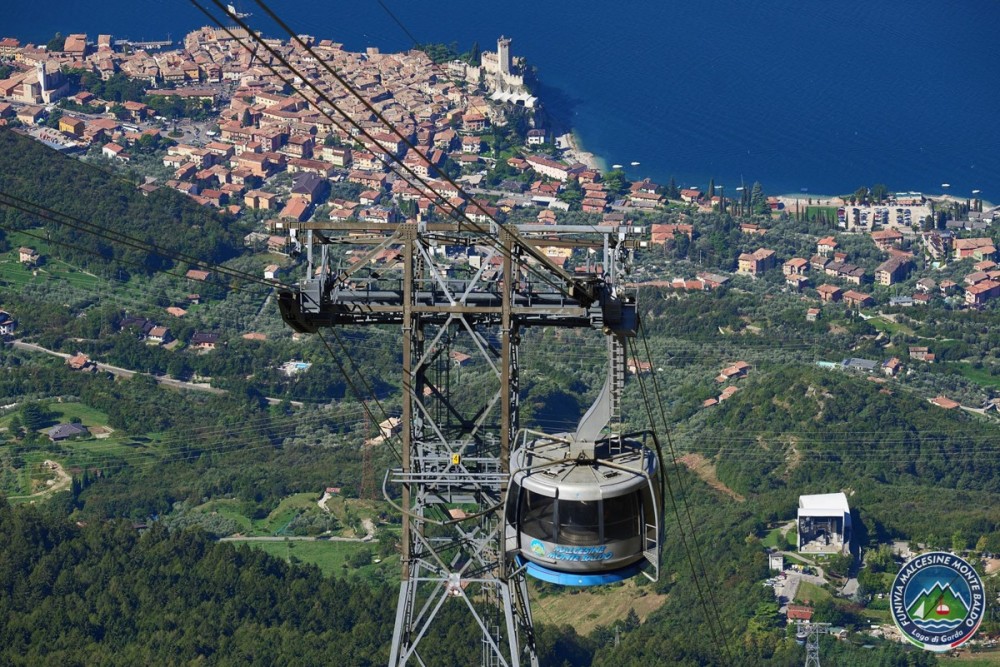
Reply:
x=30, y=171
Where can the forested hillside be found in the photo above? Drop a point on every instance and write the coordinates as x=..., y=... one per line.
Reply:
x=30, y=171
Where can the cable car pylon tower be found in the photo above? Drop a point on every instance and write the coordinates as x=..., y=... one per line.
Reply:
x=456, y=444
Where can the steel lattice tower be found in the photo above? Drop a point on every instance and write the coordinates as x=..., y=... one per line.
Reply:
x=455, y=447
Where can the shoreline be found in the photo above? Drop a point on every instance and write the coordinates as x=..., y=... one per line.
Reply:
x=838, y=200
x=570, y=142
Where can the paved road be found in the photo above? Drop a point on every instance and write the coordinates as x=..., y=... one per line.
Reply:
x=127, y=373
x=294, y=538
x=124, y=372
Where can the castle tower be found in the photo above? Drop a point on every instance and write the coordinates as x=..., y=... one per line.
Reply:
x=503, y=54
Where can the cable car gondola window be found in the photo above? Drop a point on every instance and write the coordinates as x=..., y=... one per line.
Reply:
x=621, y=517
x=513, y=500
x=579, y=522
x=538, y=515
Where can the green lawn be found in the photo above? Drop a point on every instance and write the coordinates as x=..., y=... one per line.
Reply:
x=771, y=539
x=811, y=592
x=331, y=557
x=829, y=211
x=980, y=376
x=88, y=416
x=287, y=509
x=885, y=325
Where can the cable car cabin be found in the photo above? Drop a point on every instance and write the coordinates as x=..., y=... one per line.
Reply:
x=584, y=514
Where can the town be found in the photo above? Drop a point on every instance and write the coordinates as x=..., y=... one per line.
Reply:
x=418, y=139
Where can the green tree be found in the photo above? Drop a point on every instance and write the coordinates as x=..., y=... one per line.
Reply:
x=879, y=192
x=616, y=181
x=758, y=200
x=54, y=117
x=711, y=188
x=673, y=192
x=34, y=416
x=56, y=43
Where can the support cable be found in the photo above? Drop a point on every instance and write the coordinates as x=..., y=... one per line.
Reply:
x=458, y=214
x=716, y=628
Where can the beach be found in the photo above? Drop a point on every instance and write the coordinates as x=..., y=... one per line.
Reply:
x=575, y=153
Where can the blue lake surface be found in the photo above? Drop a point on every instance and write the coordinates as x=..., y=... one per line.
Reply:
x=821, y=96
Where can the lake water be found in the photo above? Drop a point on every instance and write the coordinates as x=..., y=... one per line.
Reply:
x=807, y=95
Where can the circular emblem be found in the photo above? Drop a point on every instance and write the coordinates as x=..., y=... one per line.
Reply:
x=937, y=601
x=537, y=548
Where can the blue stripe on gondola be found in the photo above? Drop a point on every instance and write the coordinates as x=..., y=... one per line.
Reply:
x=578, y=579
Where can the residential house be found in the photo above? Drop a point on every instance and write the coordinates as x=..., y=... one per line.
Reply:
x=980, y=293
x=660, y=234
x=459, y=358
x=826, y=246
x=310, y=187
x=536, y=137
x=81, y=362
x=639, y=367
x=66, y=431
x=796, y=281
x=945, y=402
x=27, y=256
x=795, y=266
x=197, y=274
x=798, y=612
x=270, y=271
x=70, y=125
x=757, y=262
x=258, y=199
x=967, y=247
x=921, y=353
x=690, y=195
x=7, y=324
x=813, y=314
x=297, y=210
x=204, y=340
x=858, y=299
x=892, y=367
x=112, y=151
x=727, y=393
x=829, y=293
x=859, y=365
x=819, y=262
x=892, y=270
x=159, y=334
x=735, y=371
x=886, y=238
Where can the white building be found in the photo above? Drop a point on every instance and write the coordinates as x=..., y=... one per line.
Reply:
x=824, y=524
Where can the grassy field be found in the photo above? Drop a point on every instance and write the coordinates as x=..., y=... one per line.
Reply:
x=347, y=511
x=75, y=453
x=586, y=608
x=980, y=376
x=885, y=325
x=332, y=558
x=830, y=212
x=811, y=592
x=969, y=659
x=771, y=539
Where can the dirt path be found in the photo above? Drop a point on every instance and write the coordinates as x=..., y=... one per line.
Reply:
x=704, y=469
x=61, y=482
